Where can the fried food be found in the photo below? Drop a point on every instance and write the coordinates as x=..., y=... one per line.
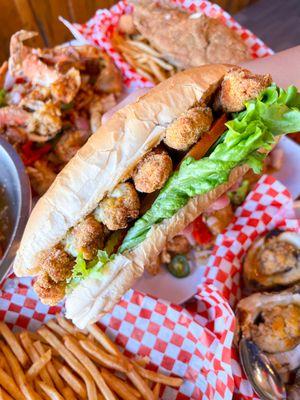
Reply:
x=45, y=120
x=41, y=176
x=13, y=343
x=126, y=24
x=78, y=365
x=69, y=143
x=278, y=256
x=218, y=220
x=99, y=106
x=178, y=245
x=88, y=237
x=57, y=263
x=66, y=87
x=188, y=128
x=36, y=368
x=49, y=291
x=279, y=329
x=152, y=171
x=119, y=208
x=188, y=40
x=239, y=86
x=49, y=95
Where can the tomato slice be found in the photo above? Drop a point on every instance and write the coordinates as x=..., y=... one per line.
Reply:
x=201, y=232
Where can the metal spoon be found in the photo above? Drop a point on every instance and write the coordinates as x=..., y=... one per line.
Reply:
x=262, y=375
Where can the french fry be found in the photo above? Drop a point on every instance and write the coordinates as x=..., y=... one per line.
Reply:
x=112, y=348
x=144, y=47
x=69, y=327
x=163, y=64
x=29, y=393
x=104, y=340
x=53, y=325
x=2, y=361
x=72, y=345
x=4, y=395
x=157, y=377
x=156, y=391
x=13, y=362
x=68, y=393
x=14, y=344
x=157, y=71
x=50, y=368
x=34, y=336
x=10, y=386
x=36, y=368
x=34, y=356
x=5, y=365
x=50, y=391
x=104, y=359
x=123, y=389
x=144, y=73
x=39, y=390
x=71, y=360
x=141, y=385
x=75, y=383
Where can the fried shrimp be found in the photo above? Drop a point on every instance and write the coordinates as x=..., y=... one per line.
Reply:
x=49, y=292
x=88, y=237
x=239, y=86
x=119, y=208
x=187, y=129
x=152, y=171
x=178, y=245
x=56, y=263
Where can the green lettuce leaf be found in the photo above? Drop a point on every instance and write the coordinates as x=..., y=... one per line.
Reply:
x=89, y=269
x=274, y=112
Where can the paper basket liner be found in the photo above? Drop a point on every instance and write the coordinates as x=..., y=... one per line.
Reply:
x=194, y=342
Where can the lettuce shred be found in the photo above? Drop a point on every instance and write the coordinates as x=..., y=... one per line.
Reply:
x=274, y=112
x=89, y=269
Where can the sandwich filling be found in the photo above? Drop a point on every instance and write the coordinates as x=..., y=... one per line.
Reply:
x=167, y=177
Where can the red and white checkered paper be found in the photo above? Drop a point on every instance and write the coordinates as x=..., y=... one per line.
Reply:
x=98, y=31
x=193, y=342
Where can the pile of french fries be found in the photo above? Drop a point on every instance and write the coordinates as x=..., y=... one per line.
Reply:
x=61, y=362
x=148, y=62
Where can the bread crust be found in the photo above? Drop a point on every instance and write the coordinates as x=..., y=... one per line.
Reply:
x=108, y=158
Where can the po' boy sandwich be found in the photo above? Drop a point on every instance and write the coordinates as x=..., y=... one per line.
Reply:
x=147, y=173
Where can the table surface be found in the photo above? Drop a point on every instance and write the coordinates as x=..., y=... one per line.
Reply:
x=276, y=22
